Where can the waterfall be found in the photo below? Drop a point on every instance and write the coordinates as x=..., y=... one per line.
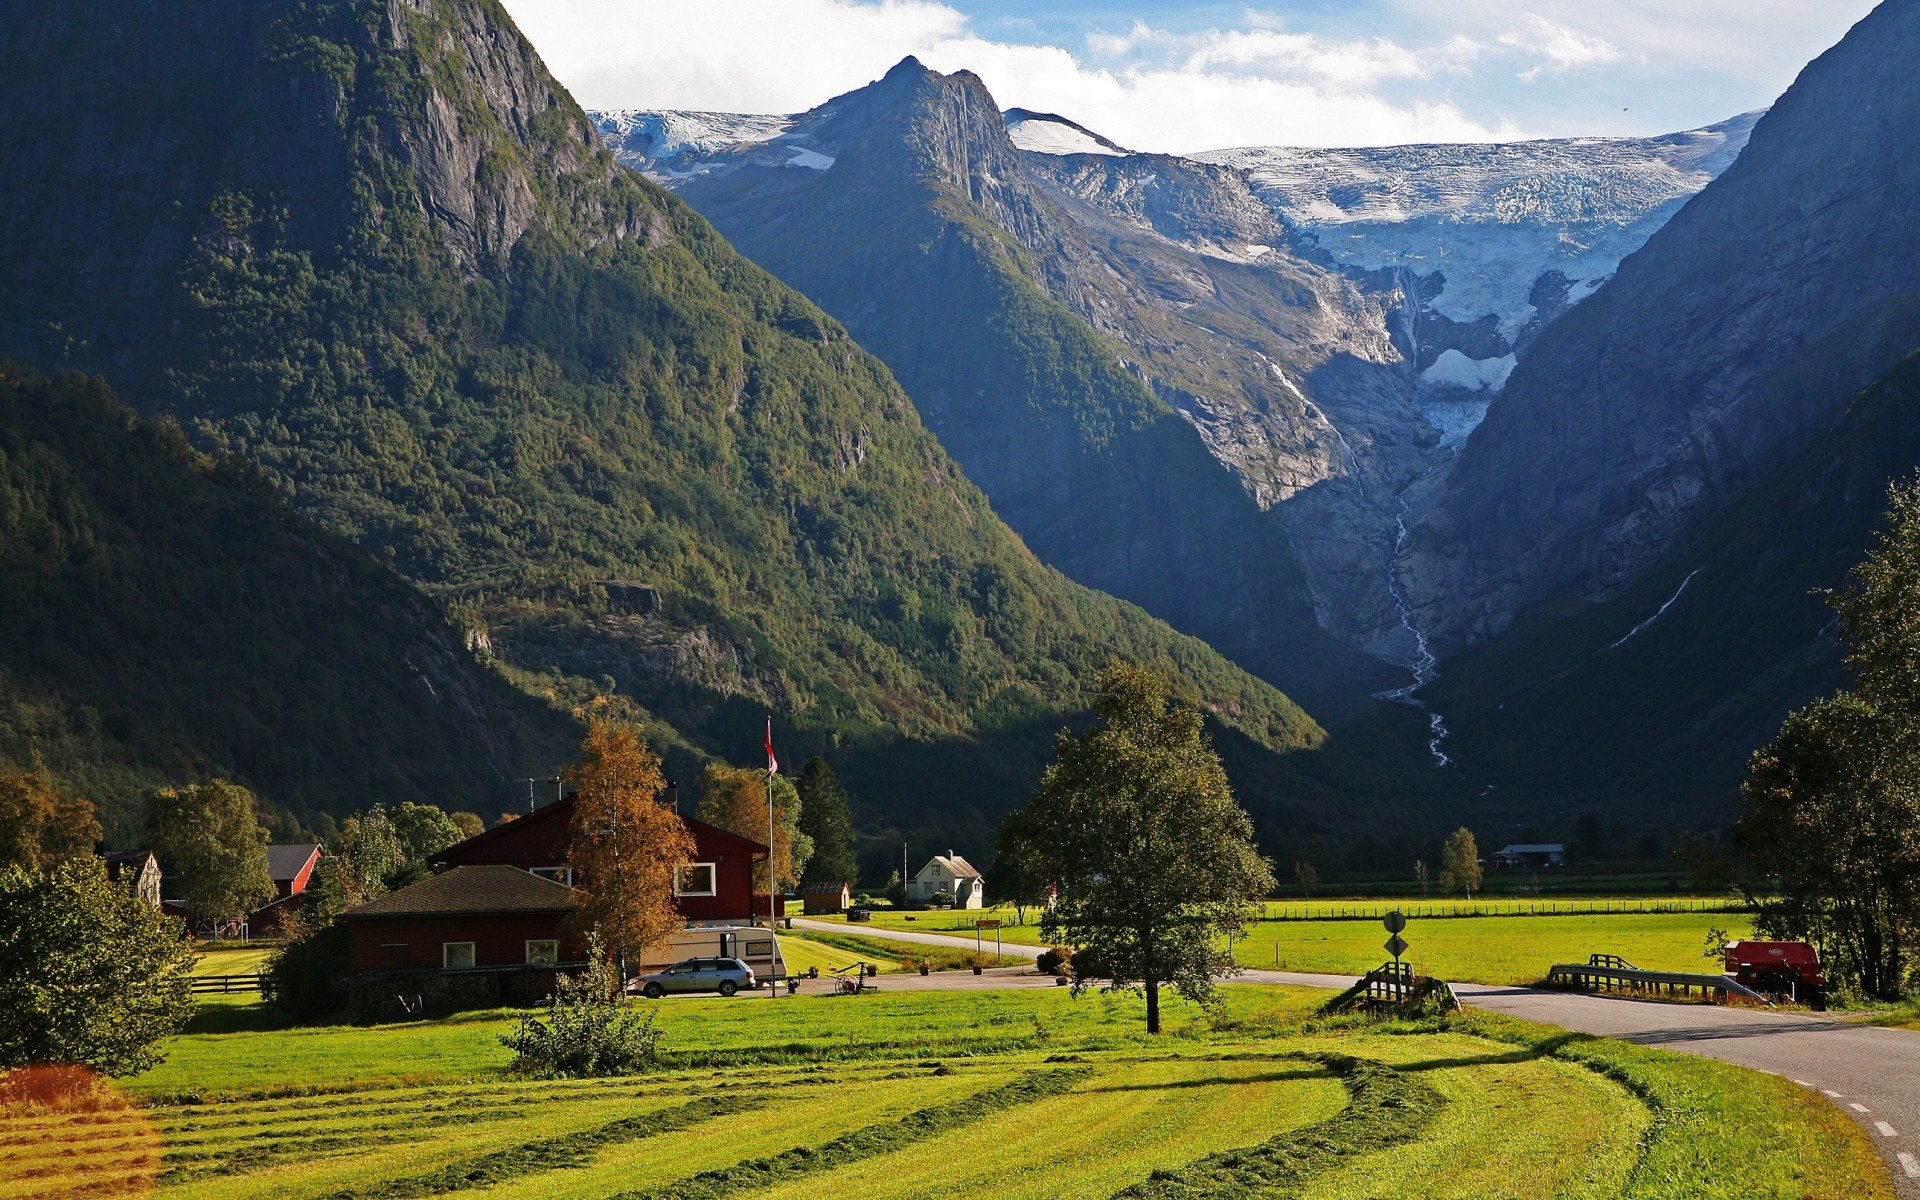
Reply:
x=1425, y=667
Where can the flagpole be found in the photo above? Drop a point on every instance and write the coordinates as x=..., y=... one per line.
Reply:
x=773, y=892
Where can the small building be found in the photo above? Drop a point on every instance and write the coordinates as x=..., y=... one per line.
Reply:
x=1530, y=855
x=291, y=867
x=136, y=871
x=950, y=875
x=825, y=898
x=477, y=918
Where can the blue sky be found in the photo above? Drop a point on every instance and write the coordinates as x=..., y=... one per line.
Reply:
x=1186, y=77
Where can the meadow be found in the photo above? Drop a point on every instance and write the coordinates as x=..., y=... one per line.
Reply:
x=1012, y=1094
x=1460, y=948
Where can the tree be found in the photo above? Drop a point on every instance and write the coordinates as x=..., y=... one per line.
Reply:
x=1017, y=876
x=1460, y=863
x=39, y=826
x=209, y=838
x=826, y=820
x=1154, y=860
x=91, y=975
x=1831, y=812
x=366, y=859
x=1421, y=873
x=1829, y=808
x=735, y=799
x=1307, y=877
x=627, y=846
x=423, y=829
x=468, y=823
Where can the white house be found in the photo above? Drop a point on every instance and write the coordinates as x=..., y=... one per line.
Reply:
x=950, y=874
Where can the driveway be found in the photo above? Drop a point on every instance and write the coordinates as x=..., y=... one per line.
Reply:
x=1872, y=1074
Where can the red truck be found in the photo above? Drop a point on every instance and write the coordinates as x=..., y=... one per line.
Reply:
x=1790, y=969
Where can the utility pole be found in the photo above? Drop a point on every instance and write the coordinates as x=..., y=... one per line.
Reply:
x=773, y=889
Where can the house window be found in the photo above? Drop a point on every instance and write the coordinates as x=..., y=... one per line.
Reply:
x=456, y=956
x=696, y=880
x=543, y=952
x=557, y=874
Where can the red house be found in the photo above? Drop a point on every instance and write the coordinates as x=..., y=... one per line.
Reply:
x=717, y=886
x=482, y=918
x=291, y=869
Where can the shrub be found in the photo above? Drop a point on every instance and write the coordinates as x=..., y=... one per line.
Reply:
x=307, y=979
x=1057, y=961
x=941, y=899
x=590, y=1027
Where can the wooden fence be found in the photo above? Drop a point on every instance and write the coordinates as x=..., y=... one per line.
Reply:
x=210, y=984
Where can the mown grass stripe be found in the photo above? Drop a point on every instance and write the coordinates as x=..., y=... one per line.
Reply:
x=1388, y=1108
x=551, y=1154
x=868, y=1141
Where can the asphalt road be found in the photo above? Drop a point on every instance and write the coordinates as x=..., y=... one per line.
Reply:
x=1872, y=1074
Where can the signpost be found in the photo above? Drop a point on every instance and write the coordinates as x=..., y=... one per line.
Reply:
x=1396, y=945
x=990, y=923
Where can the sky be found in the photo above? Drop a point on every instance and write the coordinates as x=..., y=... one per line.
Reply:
x=1181, y=78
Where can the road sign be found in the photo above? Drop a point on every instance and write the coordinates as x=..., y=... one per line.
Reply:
x=1396, y=945
x=1394, y=922
x=987, y=924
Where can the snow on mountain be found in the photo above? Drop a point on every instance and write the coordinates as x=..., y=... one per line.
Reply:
x=674, y=144
x=1495, y=221
x=1050, y=133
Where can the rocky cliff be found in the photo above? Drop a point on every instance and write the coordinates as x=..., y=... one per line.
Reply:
x=1738, y=332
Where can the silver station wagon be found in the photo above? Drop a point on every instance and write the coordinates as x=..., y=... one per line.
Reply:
x=723, y=975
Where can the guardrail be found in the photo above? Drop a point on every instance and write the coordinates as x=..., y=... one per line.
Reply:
x=1612, y=974
x=208, y=984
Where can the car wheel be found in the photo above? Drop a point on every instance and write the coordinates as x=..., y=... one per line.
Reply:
x=653, y=991
x=728, y=987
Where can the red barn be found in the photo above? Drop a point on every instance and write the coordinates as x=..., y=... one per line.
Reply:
x=717, y=886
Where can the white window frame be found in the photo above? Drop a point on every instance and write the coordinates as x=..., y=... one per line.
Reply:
x=713, y=880
x=563, y=875
x=446, y=948
x=550, y=960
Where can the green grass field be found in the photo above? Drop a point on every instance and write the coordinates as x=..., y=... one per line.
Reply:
x=1018, y=1095
x=244, y=959
x=1466, y=949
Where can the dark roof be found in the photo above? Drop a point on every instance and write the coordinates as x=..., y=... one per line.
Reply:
x=125, y=860
x=822, y=889
x=492, y=888
x=286, y=862
x=1533, y=848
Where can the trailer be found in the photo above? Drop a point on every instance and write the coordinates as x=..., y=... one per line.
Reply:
x=756, y=945
x=1789, y=970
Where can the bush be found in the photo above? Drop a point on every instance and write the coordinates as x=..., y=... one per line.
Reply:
x=1057, y=961
x=307, y=979
x=590, y=1028
x=90, y=975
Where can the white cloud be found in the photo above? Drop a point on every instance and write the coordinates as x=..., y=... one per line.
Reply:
x=1560, y=47
x=1143, y=87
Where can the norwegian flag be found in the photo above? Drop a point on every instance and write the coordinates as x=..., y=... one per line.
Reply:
x=773, y=764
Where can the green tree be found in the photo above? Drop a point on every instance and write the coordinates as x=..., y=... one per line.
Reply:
x=423, y=829
x=827, y=819
x=1154, y=860
x=468, y=823
x=1307, y=876
x=39, y=826
x=91, y=975
x=1018, y=875
x=210, y=839
x=1460, y=863
x=1830, y=809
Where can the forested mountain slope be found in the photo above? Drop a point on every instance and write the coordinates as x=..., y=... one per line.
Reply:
x=168, y=618
x=374, y=247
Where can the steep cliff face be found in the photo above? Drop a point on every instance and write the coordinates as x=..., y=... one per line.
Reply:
x=1647, y=705
x=1121, y=350
x=371, y=245
x=1740, y=330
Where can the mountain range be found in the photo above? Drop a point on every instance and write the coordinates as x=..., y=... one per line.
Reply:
x=1456, y=482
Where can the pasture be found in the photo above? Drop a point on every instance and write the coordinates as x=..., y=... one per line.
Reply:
x=1465, y=949
x=1020, y=1095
